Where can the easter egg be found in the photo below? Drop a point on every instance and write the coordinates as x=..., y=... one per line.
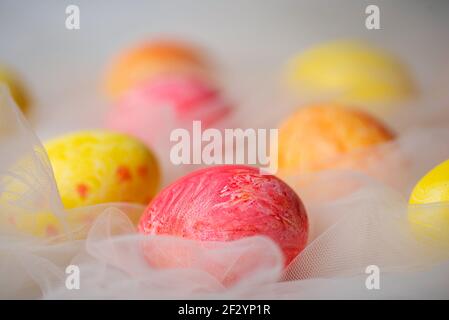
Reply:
x=152, y=109
x=93, y=167
x=153, y=58
x=350, y=72
x=225, y=203
x=315, y=137
x=12, y=81
x=429, y=200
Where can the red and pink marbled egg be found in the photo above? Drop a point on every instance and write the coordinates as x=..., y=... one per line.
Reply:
x=225, y=203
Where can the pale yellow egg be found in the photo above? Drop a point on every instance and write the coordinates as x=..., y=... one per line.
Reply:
x=350, y=72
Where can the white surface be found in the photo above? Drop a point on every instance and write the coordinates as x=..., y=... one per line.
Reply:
x=250, y=39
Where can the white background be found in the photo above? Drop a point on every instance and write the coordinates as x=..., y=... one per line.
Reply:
x=251, y=41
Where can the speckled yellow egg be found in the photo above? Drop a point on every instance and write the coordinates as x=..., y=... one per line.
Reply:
x=350, y=72
x=317, y=136
x=93, y=167
x=429, y=204
x=12, y=81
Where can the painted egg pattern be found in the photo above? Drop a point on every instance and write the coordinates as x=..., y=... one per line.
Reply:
x=93, y=167
x=226, y=203
x=312, y=138
x=152, y=109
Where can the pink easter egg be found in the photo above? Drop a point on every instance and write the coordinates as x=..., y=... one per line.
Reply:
x=230, y=202
x=151, y=110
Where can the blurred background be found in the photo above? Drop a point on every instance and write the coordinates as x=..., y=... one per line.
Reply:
x=251, y=40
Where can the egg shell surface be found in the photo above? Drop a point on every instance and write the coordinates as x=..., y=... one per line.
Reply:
x=93, y=167
x=311, y=138
x=153, y=109
x=151, y=58
x=350, y=72
x=224, y=203
x=429, y=199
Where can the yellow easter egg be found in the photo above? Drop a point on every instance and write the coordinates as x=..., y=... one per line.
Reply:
x=350, y=72
x=429, y=204
x=93, y=167
x=18, y=92
x=39, y=224
x=74, y=223
x=96, y=160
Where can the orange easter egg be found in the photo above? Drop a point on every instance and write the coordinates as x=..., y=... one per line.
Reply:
x=152, y=58
x=316, y=137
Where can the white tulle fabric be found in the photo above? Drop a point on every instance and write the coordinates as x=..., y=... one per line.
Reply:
x=356, y=220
